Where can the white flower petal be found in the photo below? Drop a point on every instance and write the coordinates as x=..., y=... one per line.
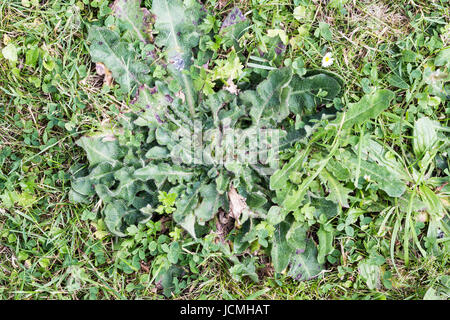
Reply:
x=327, y=60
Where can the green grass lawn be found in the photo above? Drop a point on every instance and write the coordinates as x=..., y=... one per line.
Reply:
x=383, y=246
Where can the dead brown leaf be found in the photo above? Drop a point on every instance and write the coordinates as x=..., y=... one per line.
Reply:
x=102, y=70
x=237, y=203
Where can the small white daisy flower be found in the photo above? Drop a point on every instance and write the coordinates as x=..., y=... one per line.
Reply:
x=327, y=60
x=367, y=177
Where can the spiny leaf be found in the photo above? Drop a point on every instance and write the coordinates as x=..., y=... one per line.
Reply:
x=184, y=214
x=266, y=98
x=178, y=34
x=296, y=236
x=304, y=264
x=107, y=48
x=100, y=148
x=103, y=173
x=114, y=212
x=83, y=186
x=160, y=172
x=210, y=204
x=152, y=105
x=127, y=189
x=295, y=196
x=135, y=18
x=281, y=251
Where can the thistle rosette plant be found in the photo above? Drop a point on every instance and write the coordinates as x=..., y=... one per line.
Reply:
x=177, y=135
